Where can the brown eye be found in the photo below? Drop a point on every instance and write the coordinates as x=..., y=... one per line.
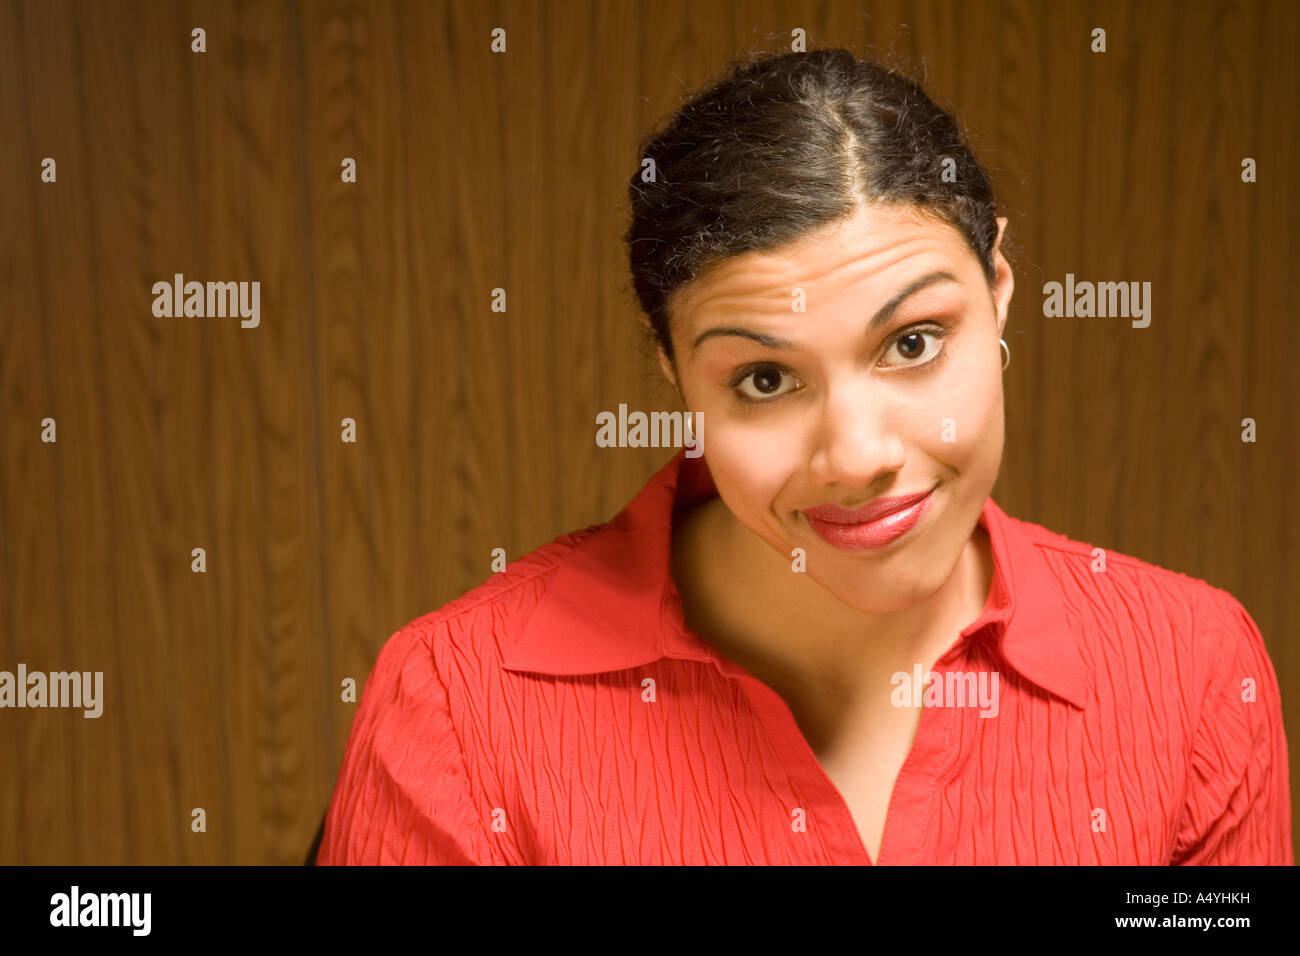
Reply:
x=764, y=383
x=912, y=346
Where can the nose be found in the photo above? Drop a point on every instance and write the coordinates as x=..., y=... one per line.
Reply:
x=857, y=441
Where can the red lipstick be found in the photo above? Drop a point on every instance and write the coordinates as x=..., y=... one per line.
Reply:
x=874, y=525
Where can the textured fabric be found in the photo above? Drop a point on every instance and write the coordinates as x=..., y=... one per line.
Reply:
x=562, y=713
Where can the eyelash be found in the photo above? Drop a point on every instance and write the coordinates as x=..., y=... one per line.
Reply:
x=744, y=372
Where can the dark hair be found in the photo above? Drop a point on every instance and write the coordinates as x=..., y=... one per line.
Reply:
x=782, y=145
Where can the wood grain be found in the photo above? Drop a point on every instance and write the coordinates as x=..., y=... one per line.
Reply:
x=479, y=171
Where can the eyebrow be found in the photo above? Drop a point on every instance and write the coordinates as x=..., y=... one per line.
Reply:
x=880, y=318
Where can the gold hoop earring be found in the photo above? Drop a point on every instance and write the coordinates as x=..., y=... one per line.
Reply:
x=1006, y=350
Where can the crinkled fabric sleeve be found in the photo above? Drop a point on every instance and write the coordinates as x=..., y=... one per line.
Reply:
x=403, y=795
x=1238, y=805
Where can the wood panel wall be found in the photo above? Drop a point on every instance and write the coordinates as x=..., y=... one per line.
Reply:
x=475, y=428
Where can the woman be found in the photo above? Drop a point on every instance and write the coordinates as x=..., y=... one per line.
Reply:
x=821, y=642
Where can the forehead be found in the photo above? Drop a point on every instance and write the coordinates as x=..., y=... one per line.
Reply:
x=872, y=253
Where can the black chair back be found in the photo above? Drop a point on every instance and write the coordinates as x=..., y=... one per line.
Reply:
x=315, y=844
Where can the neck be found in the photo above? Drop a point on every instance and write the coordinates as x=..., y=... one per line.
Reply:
x=789, y=631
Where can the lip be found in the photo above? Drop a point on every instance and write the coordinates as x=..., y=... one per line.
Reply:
x=874, y=525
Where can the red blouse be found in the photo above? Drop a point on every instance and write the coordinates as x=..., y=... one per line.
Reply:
x=562, y=713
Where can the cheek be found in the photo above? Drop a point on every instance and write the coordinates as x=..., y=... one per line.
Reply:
x=957, y=418
x=750, y=465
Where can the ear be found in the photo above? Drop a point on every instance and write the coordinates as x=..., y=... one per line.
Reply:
x=664, y=363
x=1004, y=281
x=667, y=367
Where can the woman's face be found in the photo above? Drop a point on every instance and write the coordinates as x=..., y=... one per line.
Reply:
x=887, y=383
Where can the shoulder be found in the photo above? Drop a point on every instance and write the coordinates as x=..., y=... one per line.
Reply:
x=1106, y=574
x=1146, y=613
x=419, y=768
x=468, y=634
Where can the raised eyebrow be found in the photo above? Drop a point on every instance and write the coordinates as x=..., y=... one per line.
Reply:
x=882, y=315
x=768, y=341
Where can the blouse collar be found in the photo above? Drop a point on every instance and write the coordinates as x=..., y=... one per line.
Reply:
x=613, y=605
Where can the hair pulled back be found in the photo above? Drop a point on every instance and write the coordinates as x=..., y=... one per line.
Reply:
x=785, y=144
